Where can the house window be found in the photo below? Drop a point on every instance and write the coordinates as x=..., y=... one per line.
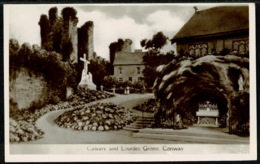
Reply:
x=138, y=70
x=241, y=47
x=120, y=70
x=130, y=79
x=198, y=50
x=120, y=79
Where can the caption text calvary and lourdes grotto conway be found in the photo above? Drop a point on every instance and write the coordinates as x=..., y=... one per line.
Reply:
x=124, y=148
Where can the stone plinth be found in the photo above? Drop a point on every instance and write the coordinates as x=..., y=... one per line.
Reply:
x=87, y=81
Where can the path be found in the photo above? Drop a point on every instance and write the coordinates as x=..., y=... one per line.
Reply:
x=57, y=135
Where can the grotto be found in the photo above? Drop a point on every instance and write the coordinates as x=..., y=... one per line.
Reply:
x=219, y=81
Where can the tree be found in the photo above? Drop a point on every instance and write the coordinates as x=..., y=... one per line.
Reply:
x=158, y=41
x=113, y=48
x=99, y=68
x=110, y=81
x=153, y=58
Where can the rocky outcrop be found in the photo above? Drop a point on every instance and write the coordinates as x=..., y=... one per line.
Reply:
x=224, y=80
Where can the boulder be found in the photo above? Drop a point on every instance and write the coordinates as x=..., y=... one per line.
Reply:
x=85, y=127
x=94, y=128
x=101, y=128
x=80, y=124
x=110, y=116
x=106, y=127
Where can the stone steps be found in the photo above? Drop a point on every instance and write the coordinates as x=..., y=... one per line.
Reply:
x=140, y=123
x=194, y=135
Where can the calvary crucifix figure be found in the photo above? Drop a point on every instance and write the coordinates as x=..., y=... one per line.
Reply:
x=86, y=77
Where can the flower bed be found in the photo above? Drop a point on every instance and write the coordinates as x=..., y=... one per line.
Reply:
x=100, y=116
x=25, y=119
x=22, y=131
x=147, y=106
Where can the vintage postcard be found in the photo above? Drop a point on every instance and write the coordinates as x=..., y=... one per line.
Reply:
x=130, y=82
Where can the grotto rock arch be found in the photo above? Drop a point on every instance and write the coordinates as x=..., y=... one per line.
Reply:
x=180, y=85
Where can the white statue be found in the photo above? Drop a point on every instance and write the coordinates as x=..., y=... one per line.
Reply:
x=86, y=77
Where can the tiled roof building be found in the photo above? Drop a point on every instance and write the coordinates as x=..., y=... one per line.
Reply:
x=212, y=30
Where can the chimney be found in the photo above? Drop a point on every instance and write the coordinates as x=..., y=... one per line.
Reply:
x=196, y=9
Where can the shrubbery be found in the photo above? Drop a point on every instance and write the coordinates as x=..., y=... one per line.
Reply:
x=110, y=81
x=58, y=74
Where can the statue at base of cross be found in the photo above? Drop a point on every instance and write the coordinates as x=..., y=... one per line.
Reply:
x=86, y=81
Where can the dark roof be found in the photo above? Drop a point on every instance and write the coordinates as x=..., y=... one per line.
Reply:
x=128, y=58
x=217, y=20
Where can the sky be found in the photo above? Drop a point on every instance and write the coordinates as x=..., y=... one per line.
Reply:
x=135, y=22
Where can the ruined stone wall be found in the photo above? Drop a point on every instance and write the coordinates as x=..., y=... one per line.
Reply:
x=73, y=36
x=128, y=71
x=59, y=34
x=85, y=40
x=90, y=42
x=27, y=89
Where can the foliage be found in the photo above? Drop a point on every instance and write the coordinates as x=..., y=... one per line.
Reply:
x=58, y=74
x=45, y=32
x=124, y=84
x=69, y=12
x=53, y=14
x=54, y=31
x=153, y=58
x=156, y=43
x=138, y=85
x=99, y=68
x=110, y=81
x=152, y=61
x=113, y=48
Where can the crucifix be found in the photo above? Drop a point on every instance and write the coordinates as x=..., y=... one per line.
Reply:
x=86, y=62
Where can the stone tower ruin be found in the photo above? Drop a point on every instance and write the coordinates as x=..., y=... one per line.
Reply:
x=127, y=46
x=73, y=36
x=61, y=34
x=85, y=40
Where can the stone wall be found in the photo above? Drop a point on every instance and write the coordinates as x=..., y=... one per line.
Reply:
x=90, y=43
x=128, y=71
x=85, y=40
x=27, y=89
x=73, y=35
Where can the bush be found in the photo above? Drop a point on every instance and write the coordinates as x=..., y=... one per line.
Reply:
x=110, y=81
x=58, y=74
